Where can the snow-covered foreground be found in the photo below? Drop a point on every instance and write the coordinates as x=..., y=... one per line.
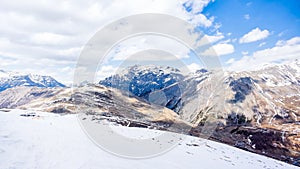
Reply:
x=50, y=141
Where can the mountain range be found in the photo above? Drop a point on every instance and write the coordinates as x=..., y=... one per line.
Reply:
x=257, y=111
x=13, y=79
x=266, y=96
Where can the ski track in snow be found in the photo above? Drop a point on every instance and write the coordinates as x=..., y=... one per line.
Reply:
x=51, y=141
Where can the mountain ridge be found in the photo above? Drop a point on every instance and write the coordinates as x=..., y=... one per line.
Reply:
x=9, y=79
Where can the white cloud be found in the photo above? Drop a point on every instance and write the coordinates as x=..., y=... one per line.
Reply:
x=293, y=41
x=194, y=67
x=217, y=26
x=254, y=35
x=219, y=49
x=234, y=40
x=287, y=50
x=245, y=52
x=47, y=36
x=105, y=71
x=226, y=41
x=201, y=20
x=196, y=5
x=262, y=44
x=127, y=49
x=247, y=16
x=214, y=38
x=231, y=60
x=196, y=17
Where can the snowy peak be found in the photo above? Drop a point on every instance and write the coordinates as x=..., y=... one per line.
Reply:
x=14, y=79
x=147, y=82
x=281, y=75
x=137, y=70
x=46, y=81
x=141, y=80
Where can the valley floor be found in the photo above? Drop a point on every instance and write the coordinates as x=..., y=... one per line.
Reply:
x=51, y=141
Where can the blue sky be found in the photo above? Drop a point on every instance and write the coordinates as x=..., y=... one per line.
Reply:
x=246, y=35
x=280, y=17
x=47, y=37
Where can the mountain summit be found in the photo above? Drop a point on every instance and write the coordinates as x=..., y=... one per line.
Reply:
x=14, y=79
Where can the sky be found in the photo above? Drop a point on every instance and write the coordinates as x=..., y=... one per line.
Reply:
x=47, y=37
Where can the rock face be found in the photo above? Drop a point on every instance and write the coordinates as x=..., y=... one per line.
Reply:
x=144, y=81
x=13, y=79
x=242, y=87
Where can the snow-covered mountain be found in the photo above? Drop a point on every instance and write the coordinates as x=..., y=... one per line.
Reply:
x=144, y=80
x=95, y=100
x=262, y=96
x=14, y=79
x=42, y=140
x=266, y=100
x=255, y=110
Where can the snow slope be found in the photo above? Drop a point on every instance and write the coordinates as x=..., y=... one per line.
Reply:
x=51, y=141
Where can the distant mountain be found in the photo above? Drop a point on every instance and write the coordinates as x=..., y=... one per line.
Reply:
x=144, y=80
x=165, y=86
x=266, y=95
x=14, y=79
